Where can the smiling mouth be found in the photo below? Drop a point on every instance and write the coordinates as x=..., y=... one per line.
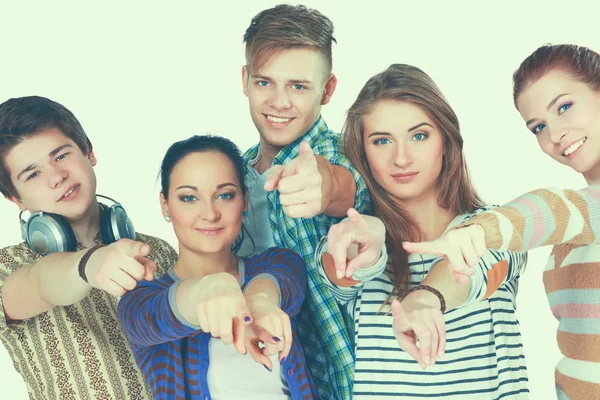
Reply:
x=278, y=120
x=69, y=192
x=210, y=231
x=572, y=148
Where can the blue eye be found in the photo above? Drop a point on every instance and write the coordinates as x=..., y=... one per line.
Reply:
x=419, y=136
x=298, y=86
x=381, y=141
x=564, y=108
x=226, y=196
x=262, y=83
x=536, y=129
x=187, y=199
x=32, y=176
x=62, y=156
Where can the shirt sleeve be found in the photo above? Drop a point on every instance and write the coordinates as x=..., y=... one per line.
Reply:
x=343, y=294
x=542, y=217
x=287, y=271
x=11, y=259
x=149, y=316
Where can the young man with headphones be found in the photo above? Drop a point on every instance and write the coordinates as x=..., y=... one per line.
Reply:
x=57, y=288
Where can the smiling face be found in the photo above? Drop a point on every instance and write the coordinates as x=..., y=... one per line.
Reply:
x=404, y=150
x=564, y=114
x=205, y=202
x=286, y=94
x=51, y=174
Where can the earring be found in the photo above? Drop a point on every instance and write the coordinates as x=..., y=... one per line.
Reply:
x=168, y=218
x=244, y=213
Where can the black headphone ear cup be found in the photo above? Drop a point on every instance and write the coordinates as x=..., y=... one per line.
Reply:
x=47, y=233
x=115, y=224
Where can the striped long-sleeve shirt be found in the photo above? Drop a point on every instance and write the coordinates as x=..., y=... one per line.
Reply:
x=483, y=359
x=570, y=220
x=174, y=355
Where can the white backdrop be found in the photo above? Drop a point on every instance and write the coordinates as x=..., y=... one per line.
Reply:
x=141, y=75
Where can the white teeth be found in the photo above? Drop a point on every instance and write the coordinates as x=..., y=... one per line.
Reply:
x=574, y=147
x=69, y=192
x=277, y=119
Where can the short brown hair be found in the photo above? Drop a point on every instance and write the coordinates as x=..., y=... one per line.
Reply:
x=580, y=62
x=285, y=27
x=406, y=83
x=23, y=117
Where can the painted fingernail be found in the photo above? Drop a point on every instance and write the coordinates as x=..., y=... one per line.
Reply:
x=282, y=361
x=267, y=368
x=275, y=338
x=247, y=318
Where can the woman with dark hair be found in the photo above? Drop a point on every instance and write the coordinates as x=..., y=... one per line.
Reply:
x=404, y=138
x=557, y=92
x=178, y=325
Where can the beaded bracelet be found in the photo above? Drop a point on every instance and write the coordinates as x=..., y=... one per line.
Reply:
x=85, y=259
x=431, y=290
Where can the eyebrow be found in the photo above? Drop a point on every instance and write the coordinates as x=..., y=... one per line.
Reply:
x=409, y=129
x=266, y=78
x=52, y=154
x=195, y=188
x=550, y=105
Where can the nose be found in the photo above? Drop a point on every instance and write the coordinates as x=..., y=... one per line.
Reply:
x=403, y=157
x=280, y=99
x=56, y=176
x=210, y=213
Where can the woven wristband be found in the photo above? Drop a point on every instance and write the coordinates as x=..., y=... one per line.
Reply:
x=85, y=259
x=431, y=290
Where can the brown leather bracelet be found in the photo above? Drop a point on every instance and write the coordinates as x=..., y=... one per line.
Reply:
x=431, y=290
x=85, y=259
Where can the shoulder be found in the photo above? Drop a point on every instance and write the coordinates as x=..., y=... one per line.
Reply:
x=15, y=256
x=162, y=253
x=462, y=218
x=274, y=255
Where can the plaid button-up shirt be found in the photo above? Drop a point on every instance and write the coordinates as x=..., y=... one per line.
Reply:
x=327, y=344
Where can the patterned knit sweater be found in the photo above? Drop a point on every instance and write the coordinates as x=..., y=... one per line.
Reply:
x=570, y=220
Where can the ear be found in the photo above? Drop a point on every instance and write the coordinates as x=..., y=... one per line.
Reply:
x=163, y=205
x=18, y=202
x=92, y=158
x=245, y=77
x=330, y=86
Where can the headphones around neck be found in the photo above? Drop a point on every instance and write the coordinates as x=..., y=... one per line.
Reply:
x=47, y=233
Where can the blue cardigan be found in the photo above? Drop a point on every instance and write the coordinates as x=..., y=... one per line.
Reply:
x=174, y=357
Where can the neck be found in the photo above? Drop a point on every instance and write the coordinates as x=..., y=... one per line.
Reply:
x=86, y=227
x=266, y=155
x=431, y=219
x=593, y=176
x=192, y=264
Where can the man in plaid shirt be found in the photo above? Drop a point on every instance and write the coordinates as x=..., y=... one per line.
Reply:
x=299, y=183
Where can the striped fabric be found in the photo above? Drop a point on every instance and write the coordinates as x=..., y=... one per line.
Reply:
x=322, y=329
x=484, y=357
x=77, y=352
x=570, y=220
x=174, y=356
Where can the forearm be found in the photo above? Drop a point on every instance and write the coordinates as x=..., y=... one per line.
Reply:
x=339, y=188
x=440, y=278
x=186, y=300
x=52, y=281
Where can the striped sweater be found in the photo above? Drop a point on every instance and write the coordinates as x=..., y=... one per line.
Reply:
x=484, y=357
x=174, y=356
x=570, y=220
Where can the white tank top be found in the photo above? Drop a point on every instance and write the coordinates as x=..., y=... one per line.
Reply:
x=232, y=376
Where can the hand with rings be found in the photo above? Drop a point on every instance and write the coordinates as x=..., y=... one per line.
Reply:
x=271, y=327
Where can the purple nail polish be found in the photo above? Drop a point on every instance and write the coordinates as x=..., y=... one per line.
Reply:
x=275, y=338
x=267, y=368
x=247, y=318
x=282, y=361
